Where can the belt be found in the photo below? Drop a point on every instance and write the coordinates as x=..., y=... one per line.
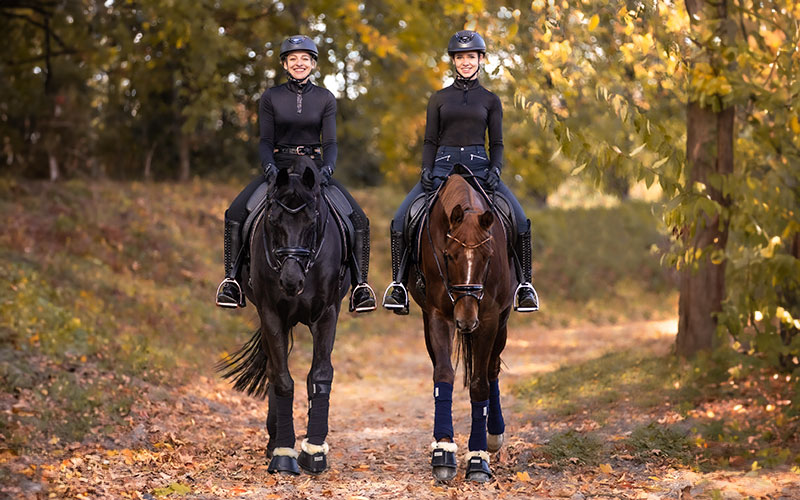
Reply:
x=298, y=150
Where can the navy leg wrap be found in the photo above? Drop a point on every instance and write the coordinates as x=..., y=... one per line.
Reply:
x=477, y=436
x=495, y=424
x=318, y=405
x=284, y=430
x=443, y=413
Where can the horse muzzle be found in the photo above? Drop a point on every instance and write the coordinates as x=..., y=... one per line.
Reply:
x=292, y=279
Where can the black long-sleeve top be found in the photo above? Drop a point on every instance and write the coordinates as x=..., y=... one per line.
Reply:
x=295, y=115
x=459, y=115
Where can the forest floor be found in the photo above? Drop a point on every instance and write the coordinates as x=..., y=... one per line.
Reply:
x=204, y=440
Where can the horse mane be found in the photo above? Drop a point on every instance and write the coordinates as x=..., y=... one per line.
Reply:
x=457, y=191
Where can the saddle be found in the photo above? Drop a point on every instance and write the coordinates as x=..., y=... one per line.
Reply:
x=419, y=210
x=333, y=196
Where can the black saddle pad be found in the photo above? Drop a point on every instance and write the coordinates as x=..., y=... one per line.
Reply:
x=335, y=199
x=420, y=207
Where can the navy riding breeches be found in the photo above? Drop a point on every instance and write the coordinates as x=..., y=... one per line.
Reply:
x=472, y=157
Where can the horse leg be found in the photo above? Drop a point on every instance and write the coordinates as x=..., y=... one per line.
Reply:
x=313, y=457
x=495, y=423
x=478, y=457
x=284, y=457
x=272, y=421
x=439, y=342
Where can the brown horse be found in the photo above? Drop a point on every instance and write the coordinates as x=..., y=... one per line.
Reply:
x=466, y=295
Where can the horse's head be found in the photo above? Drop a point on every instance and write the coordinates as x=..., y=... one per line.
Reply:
x=292, y=223
x=467, y=255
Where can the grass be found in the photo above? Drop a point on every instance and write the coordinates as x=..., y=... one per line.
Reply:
x=708, y=413
x=106, y=286
x=573, y=447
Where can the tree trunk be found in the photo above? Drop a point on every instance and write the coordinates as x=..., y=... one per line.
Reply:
x=709, y=151
x=709, y=158
x=148, y=164
x=53, y=164
x=183, y=151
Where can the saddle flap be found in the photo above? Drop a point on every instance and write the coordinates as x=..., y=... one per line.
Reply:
x=257, y=197
x=338, y=200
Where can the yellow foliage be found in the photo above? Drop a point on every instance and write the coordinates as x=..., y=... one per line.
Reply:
x=593, y=22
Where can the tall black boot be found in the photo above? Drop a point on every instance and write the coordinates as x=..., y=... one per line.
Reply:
x=229, y=293
x=396, y=296
x=526, y=299
x=362, y=297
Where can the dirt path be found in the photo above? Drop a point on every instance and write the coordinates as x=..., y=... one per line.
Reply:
x=206, y=441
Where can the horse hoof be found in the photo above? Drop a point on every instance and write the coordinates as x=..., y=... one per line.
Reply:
x=313, y=464
x=444, y=473
x=283, y=464
x=444, y=464
x=495, y=441
x=478, y=470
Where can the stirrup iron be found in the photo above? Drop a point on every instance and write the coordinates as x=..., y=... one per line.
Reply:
x=227, y=304
x=516, y=298
x=391, y=287
x=353, y=294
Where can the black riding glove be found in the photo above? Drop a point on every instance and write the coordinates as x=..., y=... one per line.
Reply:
x=270, y=171
x=326, y=172
x=426, y=180
x=493, y=179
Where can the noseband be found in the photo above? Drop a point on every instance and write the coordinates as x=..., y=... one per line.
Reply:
x=277, y=257
x=459, y=291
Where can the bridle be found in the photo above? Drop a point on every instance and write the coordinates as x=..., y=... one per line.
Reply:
x=459, y=291
x=277, y=257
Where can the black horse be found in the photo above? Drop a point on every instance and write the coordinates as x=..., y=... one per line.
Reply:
x=297, y=275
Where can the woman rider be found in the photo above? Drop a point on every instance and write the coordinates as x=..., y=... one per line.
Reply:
x=455, y=132
x=297, y=118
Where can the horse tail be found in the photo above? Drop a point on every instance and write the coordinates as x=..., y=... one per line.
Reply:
x=248, y=367
x=464, y=350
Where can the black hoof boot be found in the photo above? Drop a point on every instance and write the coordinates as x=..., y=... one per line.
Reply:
x=313, y=464
x=443, y=463
x=478, y=470
x=283, y=464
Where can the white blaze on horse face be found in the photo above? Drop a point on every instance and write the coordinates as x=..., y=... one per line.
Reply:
x=470, y=255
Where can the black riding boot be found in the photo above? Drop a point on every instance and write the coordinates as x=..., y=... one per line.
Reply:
x=229, y=293
x=362, y=297
x=396, y=296
x=526, y=299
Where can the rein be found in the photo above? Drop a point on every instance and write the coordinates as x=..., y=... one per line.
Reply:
x=277, y=257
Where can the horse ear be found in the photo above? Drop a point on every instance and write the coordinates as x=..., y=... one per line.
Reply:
x=282, y=178
x=486, y=219
x=456, y=216
x=309, y=179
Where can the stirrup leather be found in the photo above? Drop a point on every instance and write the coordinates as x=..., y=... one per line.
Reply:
x=391, y=287
x=516, y=298
x=353, y=293
x=219, y=288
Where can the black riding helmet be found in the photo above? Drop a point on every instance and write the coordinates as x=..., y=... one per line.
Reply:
x=299, y=42
x=466, y=41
